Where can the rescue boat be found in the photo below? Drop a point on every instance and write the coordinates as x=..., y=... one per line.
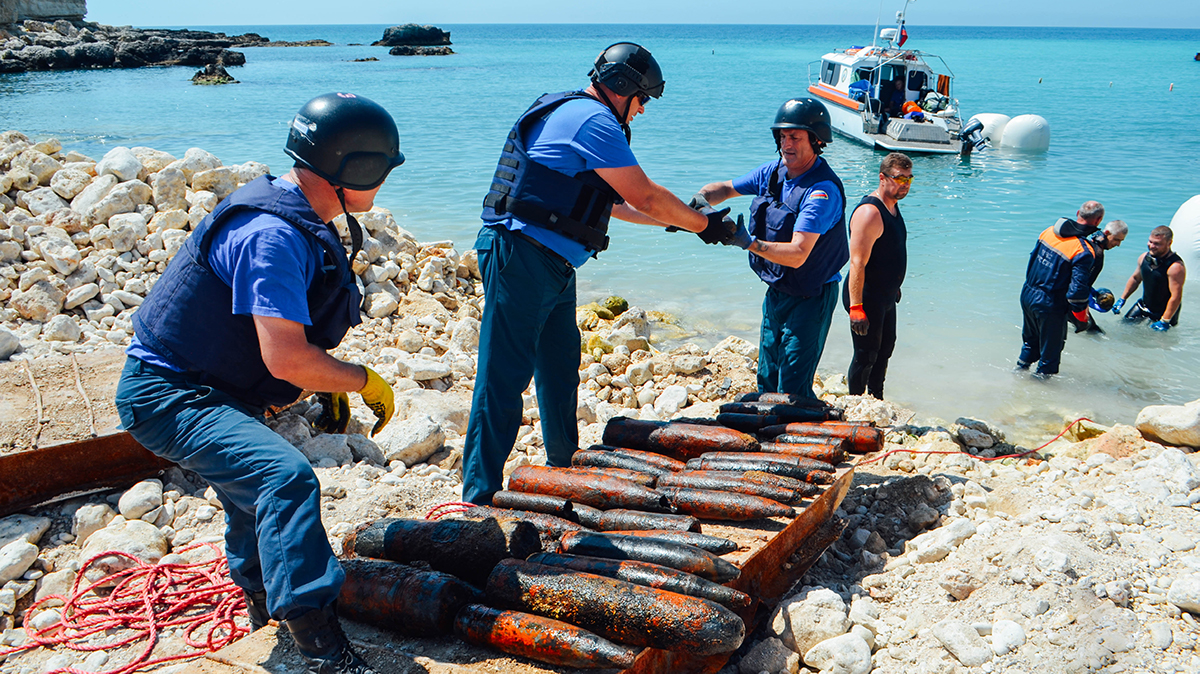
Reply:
x=857, y=86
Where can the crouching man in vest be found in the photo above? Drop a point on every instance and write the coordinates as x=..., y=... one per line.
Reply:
x=798, y=247
x=565, y=169
x=242, y=319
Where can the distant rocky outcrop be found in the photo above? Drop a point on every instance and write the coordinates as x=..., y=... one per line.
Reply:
x=12, y=11
x=213, y=74
x=69, y=45
x=413, y=35
x=405, y=50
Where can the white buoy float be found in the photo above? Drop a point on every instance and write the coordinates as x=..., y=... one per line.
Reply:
x=1185, y=227
x=993, y=126
x=1023, y=132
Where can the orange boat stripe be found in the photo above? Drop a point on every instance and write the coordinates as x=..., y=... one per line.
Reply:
x=833, y=96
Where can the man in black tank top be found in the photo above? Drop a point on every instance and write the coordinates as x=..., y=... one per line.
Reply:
x=878, y=259
x=1163, y=272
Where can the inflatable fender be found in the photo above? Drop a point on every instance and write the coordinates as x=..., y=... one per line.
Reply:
x=993, y=125
x=1027, y=132
x=1185, y=227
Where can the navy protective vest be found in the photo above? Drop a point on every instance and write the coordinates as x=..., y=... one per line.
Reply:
x=1156, y=289
x=578, y=207
x=774, y=219
x=188, y=317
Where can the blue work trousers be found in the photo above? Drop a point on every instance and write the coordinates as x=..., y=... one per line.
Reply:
x=1043, y=336
x=792, y=340
x=528, y=330
x=274, y=539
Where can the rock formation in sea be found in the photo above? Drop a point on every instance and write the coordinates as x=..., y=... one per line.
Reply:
x=413, y=35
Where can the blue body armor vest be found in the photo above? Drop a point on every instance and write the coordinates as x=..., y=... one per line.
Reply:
x=774, y=219
x=188, y=317
x=578, y=207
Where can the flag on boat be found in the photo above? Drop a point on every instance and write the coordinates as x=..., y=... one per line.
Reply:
x=903, y=36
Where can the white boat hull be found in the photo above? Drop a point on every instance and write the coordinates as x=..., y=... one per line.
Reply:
x=849, y=123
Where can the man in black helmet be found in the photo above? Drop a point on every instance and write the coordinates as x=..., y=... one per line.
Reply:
x=797, y=247
x=241, y=320
x=565, y=169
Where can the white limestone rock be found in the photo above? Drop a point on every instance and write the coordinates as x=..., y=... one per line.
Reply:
x=331, y=446
x=1171, y=424
x=688, y=364
x=1173, y=469
x=89, y=519
x=40, y=165
x=450, y=409
x=958, y=583
x=1007, y=636
x=43, y=200
x=640, y=373
x=133, y=537
x=1185, y=593
x=16, y=558
x=412, y=440
x=221, y=181
x=54, y=583
x=963, y=642
x=808, y=618
x=465, y=337
x=152, y=160
x=739, y=346
x=381, y=304
x=61, y=253
x=1050, y=559
x=41, y=302
x=61, y=328
x=169, y=192
x=251, y=170
x=845, y=654
x=93, y=193
x=671, y=400
x=23, y=527
x=120, y=162
x=194, y=161
x=9, y=343
x=124, y=198
x=164, y=221
x=140, y=499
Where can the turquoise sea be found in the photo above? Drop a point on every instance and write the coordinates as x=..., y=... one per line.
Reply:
x=1120, y=135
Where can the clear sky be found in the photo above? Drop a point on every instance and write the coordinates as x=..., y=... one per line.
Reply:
x=1074, y=13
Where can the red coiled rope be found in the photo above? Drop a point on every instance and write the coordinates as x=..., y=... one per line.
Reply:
x=440, y=510
x=994, y=458
x=147, y=599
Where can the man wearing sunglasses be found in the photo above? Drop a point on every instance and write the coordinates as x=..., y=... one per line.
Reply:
x=797, y=244
x=1162, y=271
x=241, y=320
x=878, y=260
x=1057, y=287
x=565, y=169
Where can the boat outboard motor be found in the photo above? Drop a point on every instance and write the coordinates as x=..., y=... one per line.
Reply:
x=972, y=137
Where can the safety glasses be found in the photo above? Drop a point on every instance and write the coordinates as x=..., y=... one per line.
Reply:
x=902, y=180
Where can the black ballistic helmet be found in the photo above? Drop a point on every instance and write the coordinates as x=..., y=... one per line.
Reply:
x=804, y=113
x=628, y=69
x=349, y=140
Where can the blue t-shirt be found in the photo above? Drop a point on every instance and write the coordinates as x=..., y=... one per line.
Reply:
x=819, y=211
x=268, y=263
x=579, y=135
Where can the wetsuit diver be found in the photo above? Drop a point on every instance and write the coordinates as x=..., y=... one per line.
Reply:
x=1162, y=271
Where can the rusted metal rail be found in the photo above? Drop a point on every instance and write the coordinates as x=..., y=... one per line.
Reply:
x=52, y=473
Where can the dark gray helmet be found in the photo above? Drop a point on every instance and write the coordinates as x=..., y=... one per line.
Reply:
x=804, y=113
x=349, y=140
x=628, y=69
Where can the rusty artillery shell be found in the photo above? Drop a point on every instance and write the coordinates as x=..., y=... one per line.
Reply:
x=656, y=551
x=536, y=503
x=788, y=413
x=599, y=459
x=460, y=547
x=748, y=423
x=832, y=453
x=723, y=505
x=729, y=483
x=859, y=439
x=549, y=527
x=779, y=464
x=542, y=639
x=677, y=440
x=652, y=458
x=713, y=544
x=782, y=399
x=615, y=609
x=621, y=520
x=643, y=479
x=402, y=598
x=647, y=575
x=808, y=490
x=594, y=489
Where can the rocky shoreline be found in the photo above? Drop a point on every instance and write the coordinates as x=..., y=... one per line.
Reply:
x=1079, y=557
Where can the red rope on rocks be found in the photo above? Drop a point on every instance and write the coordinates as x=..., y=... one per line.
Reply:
x=146, y=600
x=450, y=506
x=994, y=458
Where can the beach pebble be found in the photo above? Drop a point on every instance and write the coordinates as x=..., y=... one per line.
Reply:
x=963, y=642
x=1007, y=636
x=9, y=343
x=332, y=446
x=16, y=558
x=845, y=654
x=958, y=583
x=58, y=662
x=89, y=519
x=20, y=526
x=43, y=619
x=134, y=537
x=61, y=328
x=672, y=399
x=94, y=661
x=120, y=162
x=55, y=583
x=1185, y=593
x=1049, y=559
x=41, y=302
x=92, y=194
x=221, y=181
x=1171, y=424
x=140, y=499
x=411, y=440
x=808, y=618
x=769, y=655
x=365, y=449
x=1117, y=591
x=1161, y=635
x=194, y=161
x=450, y=411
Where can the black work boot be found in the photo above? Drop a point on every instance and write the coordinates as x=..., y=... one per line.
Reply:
x=322, y=644
x=256, y=608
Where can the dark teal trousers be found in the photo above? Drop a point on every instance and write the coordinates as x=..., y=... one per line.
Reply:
x=792, y=339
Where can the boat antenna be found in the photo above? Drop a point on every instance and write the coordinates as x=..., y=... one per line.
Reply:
x=875, y=35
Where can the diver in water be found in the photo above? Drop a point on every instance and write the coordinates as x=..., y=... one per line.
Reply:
x=1162, y=271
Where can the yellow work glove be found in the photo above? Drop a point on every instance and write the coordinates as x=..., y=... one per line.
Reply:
x=379, y=397
x=335, y=412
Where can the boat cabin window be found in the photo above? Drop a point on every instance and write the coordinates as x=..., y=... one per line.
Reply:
x=829, y=74
x=917, y=80
x=862, y=74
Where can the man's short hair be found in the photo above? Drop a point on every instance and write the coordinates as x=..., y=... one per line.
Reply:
x=1116, y=228
x=1162, y=232
x=895, y=160
x=1091, y=211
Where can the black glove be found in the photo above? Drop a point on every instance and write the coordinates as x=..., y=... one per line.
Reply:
x=721, y=228
x=335, y=413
